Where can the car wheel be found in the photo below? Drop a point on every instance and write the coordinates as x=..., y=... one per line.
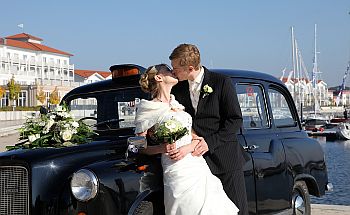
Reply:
x=301, y=199
x=144, y=208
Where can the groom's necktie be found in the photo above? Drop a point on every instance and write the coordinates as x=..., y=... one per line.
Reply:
x=194, y=93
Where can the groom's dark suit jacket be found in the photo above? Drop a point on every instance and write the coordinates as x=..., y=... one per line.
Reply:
x=218, y=119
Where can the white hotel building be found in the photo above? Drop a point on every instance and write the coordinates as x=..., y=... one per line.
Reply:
x=39, y=67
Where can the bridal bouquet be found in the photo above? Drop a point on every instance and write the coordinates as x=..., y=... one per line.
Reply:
x=169, y=131
x=54, y=129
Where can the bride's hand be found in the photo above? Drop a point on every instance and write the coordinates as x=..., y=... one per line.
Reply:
x=169, y=147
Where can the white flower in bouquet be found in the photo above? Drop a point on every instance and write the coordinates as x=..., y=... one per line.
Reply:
x=172, y=125
x=67, y=143
x=48, y=125
x=66, y=135
x=75, y=124
x=170, y=131
x=33, y=137
x=59, y=108
x=55, y=129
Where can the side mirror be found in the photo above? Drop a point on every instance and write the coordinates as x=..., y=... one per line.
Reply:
x=134, y=144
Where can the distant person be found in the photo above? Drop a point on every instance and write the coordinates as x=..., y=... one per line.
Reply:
x=345, y=113
x=43, y=110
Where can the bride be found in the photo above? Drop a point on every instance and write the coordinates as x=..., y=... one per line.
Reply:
x=189, y=186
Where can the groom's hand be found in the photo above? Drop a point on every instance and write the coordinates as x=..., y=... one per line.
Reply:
x=201, y=148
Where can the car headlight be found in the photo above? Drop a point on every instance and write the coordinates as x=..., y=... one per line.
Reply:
x=84, y=185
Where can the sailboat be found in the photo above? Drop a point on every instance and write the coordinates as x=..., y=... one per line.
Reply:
x=343, y=128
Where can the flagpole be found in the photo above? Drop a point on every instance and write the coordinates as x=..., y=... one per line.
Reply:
x=21, y=26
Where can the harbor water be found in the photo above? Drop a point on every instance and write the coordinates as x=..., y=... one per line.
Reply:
x=338, y=163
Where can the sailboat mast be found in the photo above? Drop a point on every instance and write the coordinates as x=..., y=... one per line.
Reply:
x=315, y=71
x=293, y=58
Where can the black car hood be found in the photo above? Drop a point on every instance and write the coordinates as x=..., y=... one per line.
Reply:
x=42, y=154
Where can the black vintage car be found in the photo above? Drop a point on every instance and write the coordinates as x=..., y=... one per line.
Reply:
x=96, y=178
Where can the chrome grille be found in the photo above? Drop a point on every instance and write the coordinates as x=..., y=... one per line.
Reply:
x=14, y=191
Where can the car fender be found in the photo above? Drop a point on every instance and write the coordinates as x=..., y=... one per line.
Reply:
x=310, y=182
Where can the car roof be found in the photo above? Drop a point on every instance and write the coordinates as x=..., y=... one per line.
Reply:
x=133, y=81
x=248, y=74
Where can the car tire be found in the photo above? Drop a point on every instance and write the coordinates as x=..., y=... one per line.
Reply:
x=144, y=208
x=301, y=199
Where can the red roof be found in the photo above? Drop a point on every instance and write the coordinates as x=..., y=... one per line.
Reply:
x=14, y=42
x=23, y=35
x=88, y=73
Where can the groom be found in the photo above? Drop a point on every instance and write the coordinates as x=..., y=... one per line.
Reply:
x=212, y=102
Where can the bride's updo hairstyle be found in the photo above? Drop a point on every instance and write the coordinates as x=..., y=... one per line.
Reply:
x=147, y=81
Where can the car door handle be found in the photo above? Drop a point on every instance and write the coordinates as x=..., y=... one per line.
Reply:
x=250, y=147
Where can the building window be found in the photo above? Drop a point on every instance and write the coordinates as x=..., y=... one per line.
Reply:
x=47, y=94
x=4, y=100
x=22, y=99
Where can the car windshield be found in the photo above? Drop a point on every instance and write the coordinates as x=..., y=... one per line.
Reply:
x=114, y=109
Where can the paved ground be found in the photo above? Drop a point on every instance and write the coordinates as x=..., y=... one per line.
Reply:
x=10, y=127
x=317, y=209
x=10, y=139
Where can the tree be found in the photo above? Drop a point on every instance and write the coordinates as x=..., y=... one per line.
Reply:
x=54, y=97
x=2, y=92
x=41, y=97
x=14, y=89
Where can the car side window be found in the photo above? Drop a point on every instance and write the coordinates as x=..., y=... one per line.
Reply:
x=252, y=102
x=282, y=115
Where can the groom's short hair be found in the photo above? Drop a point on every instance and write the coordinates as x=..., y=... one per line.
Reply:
x=188, y=54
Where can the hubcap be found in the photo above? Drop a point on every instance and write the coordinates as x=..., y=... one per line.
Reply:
x=298, y=205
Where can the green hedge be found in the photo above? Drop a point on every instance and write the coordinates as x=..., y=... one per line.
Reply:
x=19, y=108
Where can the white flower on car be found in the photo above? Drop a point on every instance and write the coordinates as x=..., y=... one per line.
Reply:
x=75, y=124
x=57, y=128
x=48, y=125
x=66, y=135
x=33, y=137
x=59, y=108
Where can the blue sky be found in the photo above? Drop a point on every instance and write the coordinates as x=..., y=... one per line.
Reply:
x=250, y=34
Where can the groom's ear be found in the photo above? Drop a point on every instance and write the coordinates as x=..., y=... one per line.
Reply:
x=191, y=69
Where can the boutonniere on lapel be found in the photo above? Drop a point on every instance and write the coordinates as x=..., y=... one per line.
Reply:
x=207, y=90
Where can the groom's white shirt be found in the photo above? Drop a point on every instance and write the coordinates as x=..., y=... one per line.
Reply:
x=195, y=88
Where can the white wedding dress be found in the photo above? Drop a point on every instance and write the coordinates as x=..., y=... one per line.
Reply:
x=189, y=186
